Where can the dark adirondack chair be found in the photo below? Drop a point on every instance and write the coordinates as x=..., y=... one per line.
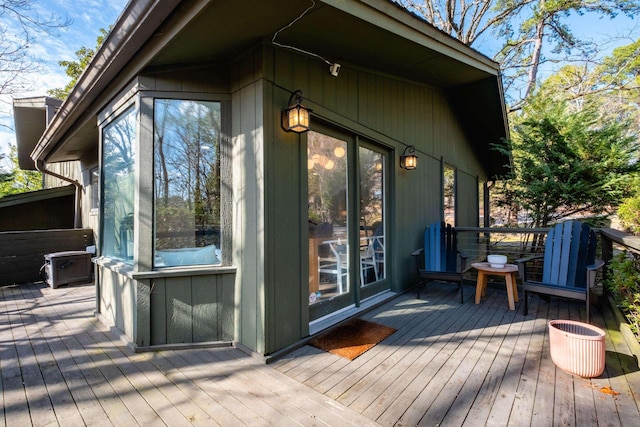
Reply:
x=569, y=266
x=438, y=260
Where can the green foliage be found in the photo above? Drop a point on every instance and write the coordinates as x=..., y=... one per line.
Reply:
x=16, y=180
x=623, y=281
x=74, y=69
x=629, y=214
x=622, y=67
x=567, y=163
x=536, y=32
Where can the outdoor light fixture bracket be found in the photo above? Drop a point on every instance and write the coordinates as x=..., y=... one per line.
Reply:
x=295, y=118
x=409, y=161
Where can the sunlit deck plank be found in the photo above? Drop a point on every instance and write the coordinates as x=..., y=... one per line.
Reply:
x=448, y=363
x=498, y=374
x=16, y=409
x=437, y=347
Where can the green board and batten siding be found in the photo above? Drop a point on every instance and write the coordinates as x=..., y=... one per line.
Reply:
x=156, y=308
x=264, y=305
x=196, y=309
x=384, y=109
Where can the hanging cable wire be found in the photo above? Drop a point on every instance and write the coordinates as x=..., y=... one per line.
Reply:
x=334, y=67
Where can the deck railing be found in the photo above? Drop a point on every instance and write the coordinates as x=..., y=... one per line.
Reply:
x=22, y=252
x=614, y=241
x=478, y=242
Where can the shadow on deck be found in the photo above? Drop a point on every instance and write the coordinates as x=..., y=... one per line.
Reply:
x=466, y=364
x=447, y=363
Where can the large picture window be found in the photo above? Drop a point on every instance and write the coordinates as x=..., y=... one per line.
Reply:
x=119, y=186
x=187, y=138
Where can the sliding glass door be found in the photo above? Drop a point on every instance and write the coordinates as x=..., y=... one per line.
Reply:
x=372, y=164
x=346, y=215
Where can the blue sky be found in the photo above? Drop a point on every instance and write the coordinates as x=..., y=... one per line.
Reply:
x=87, y=16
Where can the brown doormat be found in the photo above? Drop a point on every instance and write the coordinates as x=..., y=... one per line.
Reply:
x=352, y=338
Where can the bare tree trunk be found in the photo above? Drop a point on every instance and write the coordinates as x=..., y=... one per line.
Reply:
x=537, y=51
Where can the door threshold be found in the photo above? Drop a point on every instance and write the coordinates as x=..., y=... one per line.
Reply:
x=336, y=317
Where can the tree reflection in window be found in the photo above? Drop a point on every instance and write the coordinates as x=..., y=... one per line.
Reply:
x=118, y=173
x=449, y=193
x=187, y=182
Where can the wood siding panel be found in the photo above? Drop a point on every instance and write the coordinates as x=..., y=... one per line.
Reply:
x=158, y=312
x=284, y=203
x=248, y=210
x=347, y=86
x=117, y=301
x=226, y=310
x=192, y=309
x=106, y=303
x=418, y=205
x=394, y=108
x=179, y=310
x=367, y=101
x=204, y=294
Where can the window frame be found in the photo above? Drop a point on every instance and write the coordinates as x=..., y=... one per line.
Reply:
x=223, y=130
x=142, y=102
x=111, y=117
x=148, y=98
x=94, y=190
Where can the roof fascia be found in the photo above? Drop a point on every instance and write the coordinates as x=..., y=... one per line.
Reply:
x=395, y=19
x=132, y=29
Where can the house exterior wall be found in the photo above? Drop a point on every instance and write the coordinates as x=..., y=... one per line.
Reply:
x=387, y=110
x=262, y=301
x=249, y=232
x=165, y=307
x=70, y=170
x=117, y=299
x=192, y=309
x=79, y=171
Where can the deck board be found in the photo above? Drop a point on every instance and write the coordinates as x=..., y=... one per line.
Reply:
x=448, y=364
x=468, y=364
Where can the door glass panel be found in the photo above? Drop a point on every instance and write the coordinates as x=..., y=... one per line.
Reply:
x=327, y=204
x=372, y=247
x=449, y=194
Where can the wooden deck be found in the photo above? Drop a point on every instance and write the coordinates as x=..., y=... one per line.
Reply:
x=448, y=364
x=455, y=364
x=60, y=366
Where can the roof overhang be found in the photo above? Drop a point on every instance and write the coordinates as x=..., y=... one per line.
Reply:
x=374, y=34
x=31, y=116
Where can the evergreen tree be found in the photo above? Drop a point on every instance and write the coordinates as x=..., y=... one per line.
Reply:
x=567, y=162
x=74, y=69
x=17, y=180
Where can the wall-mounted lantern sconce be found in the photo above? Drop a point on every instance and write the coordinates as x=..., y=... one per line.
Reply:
x=295, y=118
x=409, y=161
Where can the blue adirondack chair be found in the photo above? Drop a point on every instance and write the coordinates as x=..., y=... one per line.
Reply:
x=438, y=260
x=569, y=264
